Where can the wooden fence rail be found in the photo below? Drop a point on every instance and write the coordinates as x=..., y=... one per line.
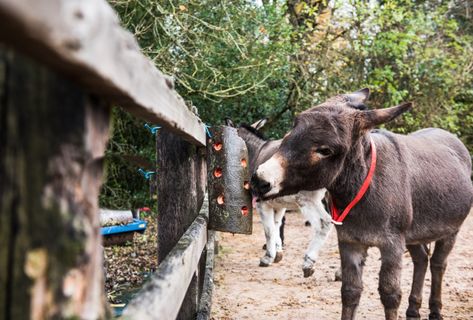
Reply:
x=164, y=293
x=84, y=41
x=62, y=64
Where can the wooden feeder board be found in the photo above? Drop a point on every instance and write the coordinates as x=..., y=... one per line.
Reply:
x=228, y=180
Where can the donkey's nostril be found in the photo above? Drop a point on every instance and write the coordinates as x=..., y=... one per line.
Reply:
x=254, y=181
x=259, y=185
x=264, y=187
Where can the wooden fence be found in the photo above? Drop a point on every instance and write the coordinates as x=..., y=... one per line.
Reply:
x=62, y=64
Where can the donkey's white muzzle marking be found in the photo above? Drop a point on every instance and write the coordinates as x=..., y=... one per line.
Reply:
x=272, y=172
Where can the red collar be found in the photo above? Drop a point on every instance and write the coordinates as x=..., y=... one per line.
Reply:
x=338, y=218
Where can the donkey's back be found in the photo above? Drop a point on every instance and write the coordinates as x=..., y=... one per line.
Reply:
x=438, y=171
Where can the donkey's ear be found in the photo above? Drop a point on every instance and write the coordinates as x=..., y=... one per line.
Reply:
x=359, y=96
x=358, y=99
x=372, y=118
x=260, y=123
x=229, y=122
x=365, y=92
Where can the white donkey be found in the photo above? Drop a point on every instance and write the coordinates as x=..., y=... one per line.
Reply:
x=272, y=211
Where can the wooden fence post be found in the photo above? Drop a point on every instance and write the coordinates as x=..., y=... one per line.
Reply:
x=52, y=139
x=181, y=186
x=205, y=303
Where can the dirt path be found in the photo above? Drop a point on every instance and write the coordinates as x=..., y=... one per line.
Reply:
x=246, y=291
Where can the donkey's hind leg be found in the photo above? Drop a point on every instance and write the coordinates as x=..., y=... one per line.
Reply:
x=281, y=230
x=438, y=263
x=420, y=258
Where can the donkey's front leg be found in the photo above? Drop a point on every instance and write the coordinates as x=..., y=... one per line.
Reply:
x=352, y=258
x=271, y=233
x=390, y=276
x=278, y=216
x=321, y=226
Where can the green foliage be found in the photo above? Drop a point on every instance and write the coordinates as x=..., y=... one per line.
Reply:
x=413, y=51
x=130, y=148
x=224, y=55
x=401, y=50
x=247, y=60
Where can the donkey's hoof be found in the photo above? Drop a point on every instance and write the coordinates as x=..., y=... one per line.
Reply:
x=266, y=261
x=264, y=246
x=412, y=314
x=308, y=266
x=435, y=316
x=307, y=224
x=278, y=257
x=308, y=272
x=338, y=275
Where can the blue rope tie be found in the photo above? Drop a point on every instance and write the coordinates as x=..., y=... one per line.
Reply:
x=153, y=130
x=146, y=174
x=209, y=134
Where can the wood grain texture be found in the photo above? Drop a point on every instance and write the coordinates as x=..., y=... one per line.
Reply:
x=227, y=154
x=83, y=40
x=181, y=183
x=53, y=137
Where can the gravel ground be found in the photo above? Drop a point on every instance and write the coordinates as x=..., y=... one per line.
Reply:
x=246, y=291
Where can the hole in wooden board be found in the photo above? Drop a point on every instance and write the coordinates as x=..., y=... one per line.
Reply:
x=218, y=172
x=246, y=185
x=220, y=199
x=244, y=211
x=218, y=146
x=243, y=163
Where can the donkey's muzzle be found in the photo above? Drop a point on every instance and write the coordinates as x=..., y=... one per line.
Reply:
x=259, y=187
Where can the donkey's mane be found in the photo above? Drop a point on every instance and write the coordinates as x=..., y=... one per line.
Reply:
x=253, y=130
x=360, y=106
x=258, y=133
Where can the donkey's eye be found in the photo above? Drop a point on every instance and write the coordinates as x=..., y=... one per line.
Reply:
x=324, y=151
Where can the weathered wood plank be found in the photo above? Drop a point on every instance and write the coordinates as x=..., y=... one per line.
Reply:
x=53, y=137
x=188, y=309
x=205, y=304
x=84, y=40
x=181, y=182
x=162, y=296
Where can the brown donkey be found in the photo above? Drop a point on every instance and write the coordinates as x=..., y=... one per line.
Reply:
x=420, y=192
